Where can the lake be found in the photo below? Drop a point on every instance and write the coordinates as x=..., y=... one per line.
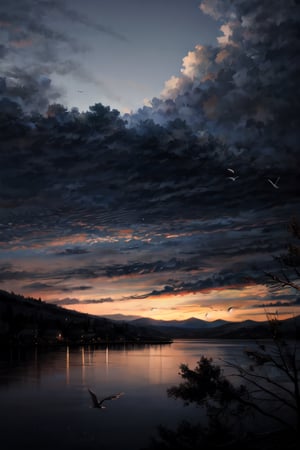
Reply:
x=45, y=402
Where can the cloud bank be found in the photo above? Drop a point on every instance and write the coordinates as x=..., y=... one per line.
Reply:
x=245, y=89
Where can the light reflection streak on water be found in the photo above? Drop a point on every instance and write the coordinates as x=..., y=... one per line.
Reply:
x=107, y=361
x=82, y=366
x=67, y=365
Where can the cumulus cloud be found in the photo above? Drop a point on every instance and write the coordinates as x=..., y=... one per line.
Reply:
x=26, y=89
x=244, y=89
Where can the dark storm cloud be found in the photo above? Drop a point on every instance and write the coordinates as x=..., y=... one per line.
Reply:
x=76, y=301
x=8, y=272
x=54, y=287
x=278, y=304
x=88, y=272
x=27, y=89
x=221, y=281
x=124, y=175
x=40, y=286
x=75, y=288
x=72, y=251
x=143, y=268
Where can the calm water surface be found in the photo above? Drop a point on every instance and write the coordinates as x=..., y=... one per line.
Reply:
x=45, y=403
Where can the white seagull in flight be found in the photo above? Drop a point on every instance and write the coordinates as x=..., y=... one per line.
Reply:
x=232, y=178
x=99, y=403
x=274, y=184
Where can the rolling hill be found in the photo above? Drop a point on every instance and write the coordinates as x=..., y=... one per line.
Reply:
x=27, y=321
x=194, y=328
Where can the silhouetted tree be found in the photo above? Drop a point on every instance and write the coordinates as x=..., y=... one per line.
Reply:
x=288, y=274
x=268, y=388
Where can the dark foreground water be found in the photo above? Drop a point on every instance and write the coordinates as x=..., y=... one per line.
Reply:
x=45, y=404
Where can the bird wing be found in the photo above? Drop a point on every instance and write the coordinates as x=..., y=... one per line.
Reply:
x=231, y=170
x=95, y=400
x=277, y=180
x=274, y=184
x=111, y=397
x=270, y=181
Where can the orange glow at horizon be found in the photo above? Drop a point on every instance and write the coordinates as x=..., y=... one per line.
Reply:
x=230, y=305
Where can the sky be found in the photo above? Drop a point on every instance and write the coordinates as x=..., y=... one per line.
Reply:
x=172, y=195
x=113, y=51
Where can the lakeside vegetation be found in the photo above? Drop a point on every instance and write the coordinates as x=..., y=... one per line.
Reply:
x=256, y=405
x=28, y=321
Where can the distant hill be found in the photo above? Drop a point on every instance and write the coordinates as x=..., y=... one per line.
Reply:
x=121, y=317
x=193, y=322
x=25, y=320
x=220, y=329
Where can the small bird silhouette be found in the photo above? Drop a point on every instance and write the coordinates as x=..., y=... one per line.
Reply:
x=232, y=178
x=274, y=184
x=230, y=309
x=99, y=403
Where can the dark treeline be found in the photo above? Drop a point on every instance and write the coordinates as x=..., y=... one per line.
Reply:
x=28, y=321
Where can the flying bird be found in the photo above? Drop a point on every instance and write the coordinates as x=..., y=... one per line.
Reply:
x=230, y=309
x=232, y=178
x=274, y=184
x=99, y=403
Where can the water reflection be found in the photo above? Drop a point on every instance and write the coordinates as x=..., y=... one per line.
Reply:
x=106, y=360
x=67, y=365
x=60, y=378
